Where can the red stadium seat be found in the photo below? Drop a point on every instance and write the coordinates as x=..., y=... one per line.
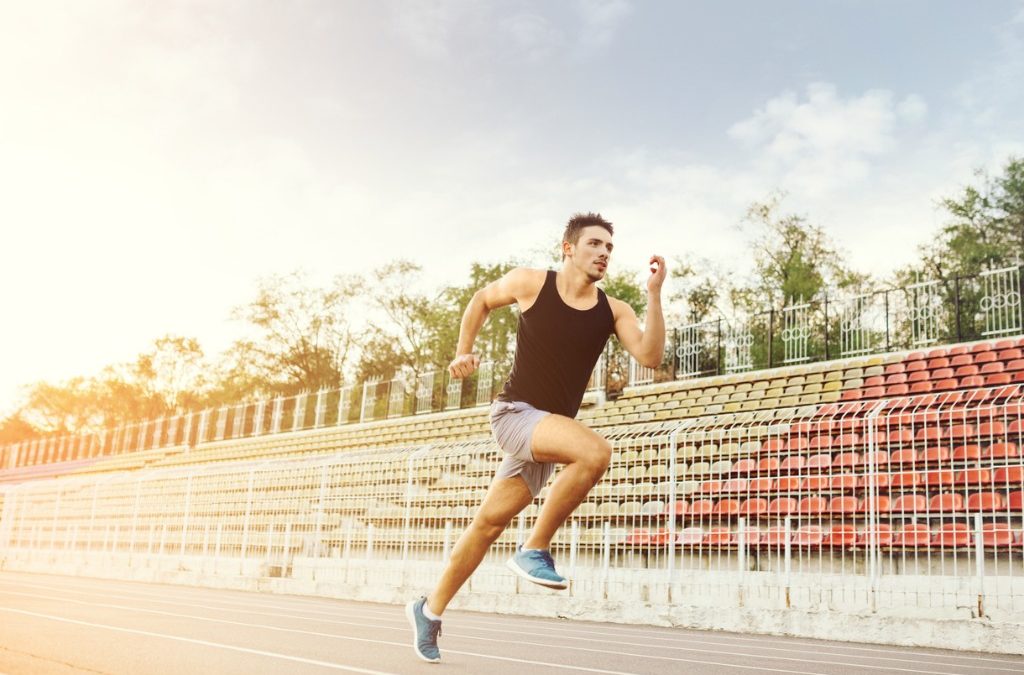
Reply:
x=844, y=481
x=677, y=509
x=774, y=537
x=761, y=484
x=994, y=428
x=920, y=387
x=880, y=480
x=787, y=483
x=972, y=381
x=904, y=479
x=895, y=368
x=719, y=536
x=810, y=506
x=1009, y=474
x=880, y=458
x=961, y=360
x=821, y=461
x=1015, y=500
x=966, y=371
x=793, y=463
x=935, y=454
x=769, y=464
x=874, y=381
x=843, y=505
x=701, y=508
x=726, y=508
x=962, y=431
x=851, y=395
x=913, y=535
x=881, y=534
x=897, y=390
x=816, y=483
x=987, y=357
x=996, y=379
x=906, y=456
x=942, y=477
x=910, y=503
x=981, y=347
x=773, y=445
x=754, y=507
x=996, y=535
x=840, y=536
x=958, y=349
x=711, y=487
x=1000, y=450
x=797, y=444
x=967, y=453
x=896, y=378
x=929, y=434
x=808, y=536
x=946, y=502
x=942, y=373
x=744, y=466
x=986, y=501
x=1015, y=365
x=946, y=384
x=781, y=506
x=975, y=477
x=1007, y=355
x=735, y=485
x=940, y=362
x=846, y=460
x=952, y=535
x=917, y=366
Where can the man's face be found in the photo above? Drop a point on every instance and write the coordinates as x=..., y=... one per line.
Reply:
x=592, y=252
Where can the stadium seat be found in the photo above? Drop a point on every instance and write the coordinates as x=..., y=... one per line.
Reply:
x=719, y=536
x=1008, y=475
x=810, y=506
x=952, y=535
x=726, y=508
x=912, y=535
x=910, y=503
x=755, y=506
x=946, y=503
x=809, y=536
x=781, y=506
x=940, y=477
x=882, y=535
x=844, y=481
x=843, y=504
x=986, y=501
x=788, y=483
x=774, y=537
x=996, y=535
x=701, y=508
x=1001, y=450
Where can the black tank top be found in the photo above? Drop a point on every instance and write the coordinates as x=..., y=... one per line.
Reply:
x=556, y=349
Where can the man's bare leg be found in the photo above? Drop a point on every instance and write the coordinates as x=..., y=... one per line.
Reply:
x=586, y=456
x=505, y=498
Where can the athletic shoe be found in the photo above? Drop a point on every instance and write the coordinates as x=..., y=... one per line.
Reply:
x=425, y=631
x=537, y=566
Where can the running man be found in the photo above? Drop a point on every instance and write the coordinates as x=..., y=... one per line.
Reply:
x=564, y=323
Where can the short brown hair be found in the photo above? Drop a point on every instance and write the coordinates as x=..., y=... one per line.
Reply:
x=581, y=220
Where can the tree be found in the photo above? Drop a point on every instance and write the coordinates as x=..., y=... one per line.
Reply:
x=304, y=336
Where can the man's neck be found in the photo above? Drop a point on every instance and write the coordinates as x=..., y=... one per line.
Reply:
x=573, y=284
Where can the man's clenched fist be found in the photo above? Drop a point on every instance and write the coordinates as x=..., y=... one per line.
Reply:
x=464, y=366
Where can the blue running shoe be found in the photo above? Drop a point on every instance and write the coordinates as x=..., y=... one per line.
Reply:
x=425, y=631
x=537, y=566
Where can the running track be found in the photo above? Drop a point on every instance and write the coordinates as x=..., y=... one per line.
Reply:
x=58, y=624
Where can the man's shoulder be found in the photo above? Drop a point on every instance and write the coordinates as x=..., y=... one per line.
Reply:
x=528, y=276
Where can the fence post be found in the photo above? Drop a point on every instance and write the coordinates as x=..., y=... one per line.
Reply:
x=979, y=559
x=826, y=326
x=771, y=336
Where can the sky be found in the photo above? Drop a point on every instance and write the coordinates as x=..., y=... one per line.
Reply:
x=158, y=158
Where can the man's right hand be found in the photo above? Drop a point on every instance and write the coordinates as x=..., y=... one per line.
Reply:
x=463, y=366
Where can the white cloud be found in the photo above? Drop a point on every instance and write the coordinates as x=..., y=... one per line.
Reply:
x=824, y=141
x=601, y=19
x=533, y=35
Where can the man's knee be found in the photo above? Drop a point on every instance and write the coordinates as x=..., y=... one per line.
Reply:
x=489, y=527
x=598, y=455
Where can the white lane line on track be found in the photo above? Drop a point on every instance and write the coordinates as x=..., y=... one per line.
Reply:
x=403, y=645
x=505, y=631
x=502, y=641
x=205, y=643
x=768, y=642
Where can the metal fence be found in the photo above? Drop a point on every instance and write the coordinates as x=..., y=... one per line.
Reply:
x=921, y=315
x=903, y=503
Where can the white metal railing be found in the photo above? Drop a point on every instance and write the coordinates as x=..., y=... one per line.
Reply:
x=900, y=502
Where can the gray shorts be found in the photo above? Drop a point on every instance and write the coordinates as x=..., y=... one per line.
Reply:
x=512, y=424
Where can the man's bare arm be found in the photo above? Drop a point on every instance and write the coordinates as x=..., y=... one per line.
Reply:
x=514, y=286
x=646, y=346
